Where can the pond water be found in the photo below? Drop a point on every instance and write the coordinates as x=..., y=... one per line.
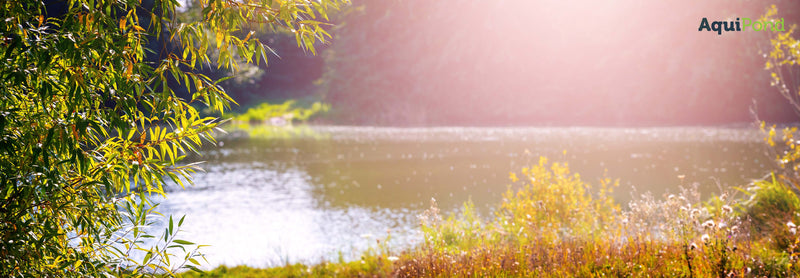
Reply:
x=326, y=193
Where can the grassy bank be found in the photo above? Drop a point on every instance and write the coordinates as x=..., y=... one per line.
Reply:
x=553, y=224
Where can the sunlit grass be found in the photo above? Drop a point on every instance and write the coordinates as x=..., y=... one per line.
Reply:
x=553, y=224
x=279, y=114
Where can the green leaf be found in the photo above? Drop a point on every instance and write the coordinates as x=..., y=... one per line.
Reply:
x=183, y=242
x=147, y=257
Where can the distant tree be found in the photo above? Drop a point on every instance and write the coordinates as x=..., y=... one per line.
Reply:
x=91, y=125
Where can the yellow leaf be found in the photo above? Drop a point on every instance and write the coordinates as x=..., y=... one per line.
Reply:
x=219, y=38
x=122, y=23
x=128, y=68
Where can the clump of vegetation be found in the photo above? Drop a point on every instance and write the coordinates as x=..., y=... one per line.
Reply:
x=771, y=206
x=552, y=204
x=276, y=121
x=279, y=114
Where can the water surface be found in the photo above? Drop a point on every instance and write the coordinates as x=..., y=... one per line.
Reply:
x=331, y=192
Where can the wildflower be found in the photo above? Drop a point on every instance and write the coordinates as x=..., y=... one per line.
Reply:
x=727, y=209
x=705, y=238
x=708, y=224
x=392, y=258
x=694, y=213
x=671, y=197
x=625, y=221
x=723, y=197
x=693, y=246
x=790, y=225
x=540, y=204
x=734, y=229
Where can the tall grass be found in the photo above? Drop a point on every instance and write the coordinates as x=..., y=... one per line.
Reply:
x=553, y=225
x=556, y=225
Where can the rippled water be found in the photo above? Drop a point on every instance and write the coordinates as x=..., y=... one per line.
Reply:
x=330, y=192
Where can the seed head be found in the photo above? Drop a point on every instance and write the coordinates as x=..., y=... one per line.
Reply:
x=727, y=209
x=694, y=213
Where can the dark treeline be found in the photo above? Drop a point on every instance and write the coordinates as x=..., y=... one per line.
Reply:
x=519, y=63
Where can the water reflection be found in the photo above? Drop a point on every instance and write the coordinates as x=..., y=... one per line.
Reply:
x=265, y=214
x=264, y=202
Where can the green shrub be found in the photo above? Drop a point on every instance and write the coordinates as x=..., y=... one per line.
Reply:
x=286, y=111
x=770, y=207
x=554, y=204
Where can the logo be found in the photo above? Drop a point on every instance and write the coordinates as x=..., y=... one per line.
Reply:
x=738, y=26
